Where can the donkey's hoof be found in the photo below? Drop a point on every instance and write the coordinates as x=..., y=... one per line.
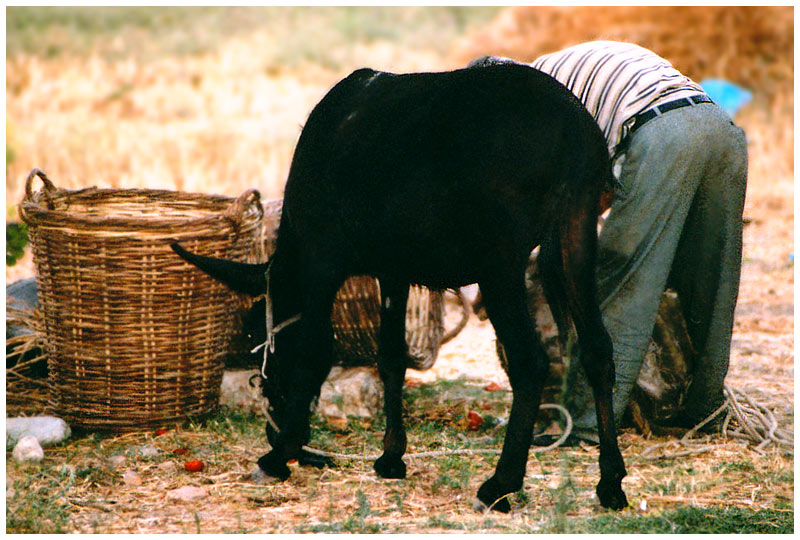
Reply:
x=260, y=477
x=272, y=467
x=500, y=505
x=490, y=497
x=611, y=496
x=390, y=467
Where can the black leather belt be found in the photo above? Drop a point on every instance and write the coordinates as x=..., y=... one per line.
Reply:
x=649, y=114
x=643, y=117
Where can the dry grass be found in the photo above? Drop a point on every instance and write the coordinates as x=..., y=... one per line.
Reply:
x=219, y=123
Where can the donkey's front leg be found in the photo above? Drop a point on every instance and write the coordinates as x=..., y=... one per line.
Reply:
x=303, y=375
x=392, y=357
x=294, y=425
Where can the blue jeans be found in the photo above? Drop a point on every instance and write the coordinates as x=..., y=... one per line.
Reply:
x=675, y=222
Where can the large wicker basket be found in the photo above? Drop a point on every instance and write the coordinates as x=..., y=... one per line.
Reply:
x=134, y=335
x=356, y=314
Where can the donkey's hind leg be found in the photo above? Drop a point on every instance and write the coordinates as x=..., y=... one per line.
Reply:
x=528, y=366
x=577, y=243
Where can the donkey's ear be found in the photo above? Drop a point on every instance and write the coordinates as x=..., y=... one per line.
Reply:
x=241, y=277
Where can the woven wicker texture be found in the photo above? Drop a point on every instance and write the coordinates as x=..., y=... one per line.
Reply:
x=134, y=335
x=356, y=314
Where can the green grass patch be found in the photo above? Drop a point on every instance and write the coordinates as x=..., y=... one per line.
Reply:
x=687, y=520
x=38, y=504
x=438, y=522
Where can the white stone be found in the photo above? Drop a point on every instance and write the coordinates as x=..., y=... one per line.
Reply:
x=186, y=493
x=236, y=392
x=48, y=430
x=147, y=450
x=351, y=392
x=28, y=449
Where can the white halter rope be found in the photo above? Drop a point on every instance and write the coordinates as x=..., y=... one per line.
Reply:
x=272, y=330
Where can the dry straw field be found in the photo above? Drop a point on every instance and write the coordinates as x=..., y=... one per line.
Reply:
x=213, y=101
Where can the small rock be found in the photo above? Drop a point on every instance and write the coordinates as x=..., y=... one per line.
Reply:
x=236, y=392
x=28, y=449
x=147, y=450
x=10, y=491
x=117, y=461
x=260, y=477
x=553, y=483
x=167, y=466
x=132, y=479
x=478, y=505
x=351, y=392
x=48, y=430
x=186, y=493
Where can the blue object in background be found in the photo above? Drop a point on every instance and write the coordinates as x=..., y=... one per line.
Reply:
x=727, y=95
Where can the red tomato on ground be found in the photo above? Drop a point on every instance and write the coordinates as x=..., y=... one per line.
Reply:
x=194, y=465
x=492, y=387
x=474, y=421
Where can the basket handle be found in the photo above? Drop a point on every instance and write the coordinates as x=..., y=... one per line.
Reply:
x=235, y=211
x=48, y=184
x=237, y=208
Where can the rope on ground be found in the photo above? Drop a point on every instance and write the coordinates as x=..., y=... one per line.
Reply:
x=755, y=424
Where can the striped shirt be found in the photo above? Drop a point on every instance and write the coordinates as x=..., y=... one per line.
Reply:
x=616, y=81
